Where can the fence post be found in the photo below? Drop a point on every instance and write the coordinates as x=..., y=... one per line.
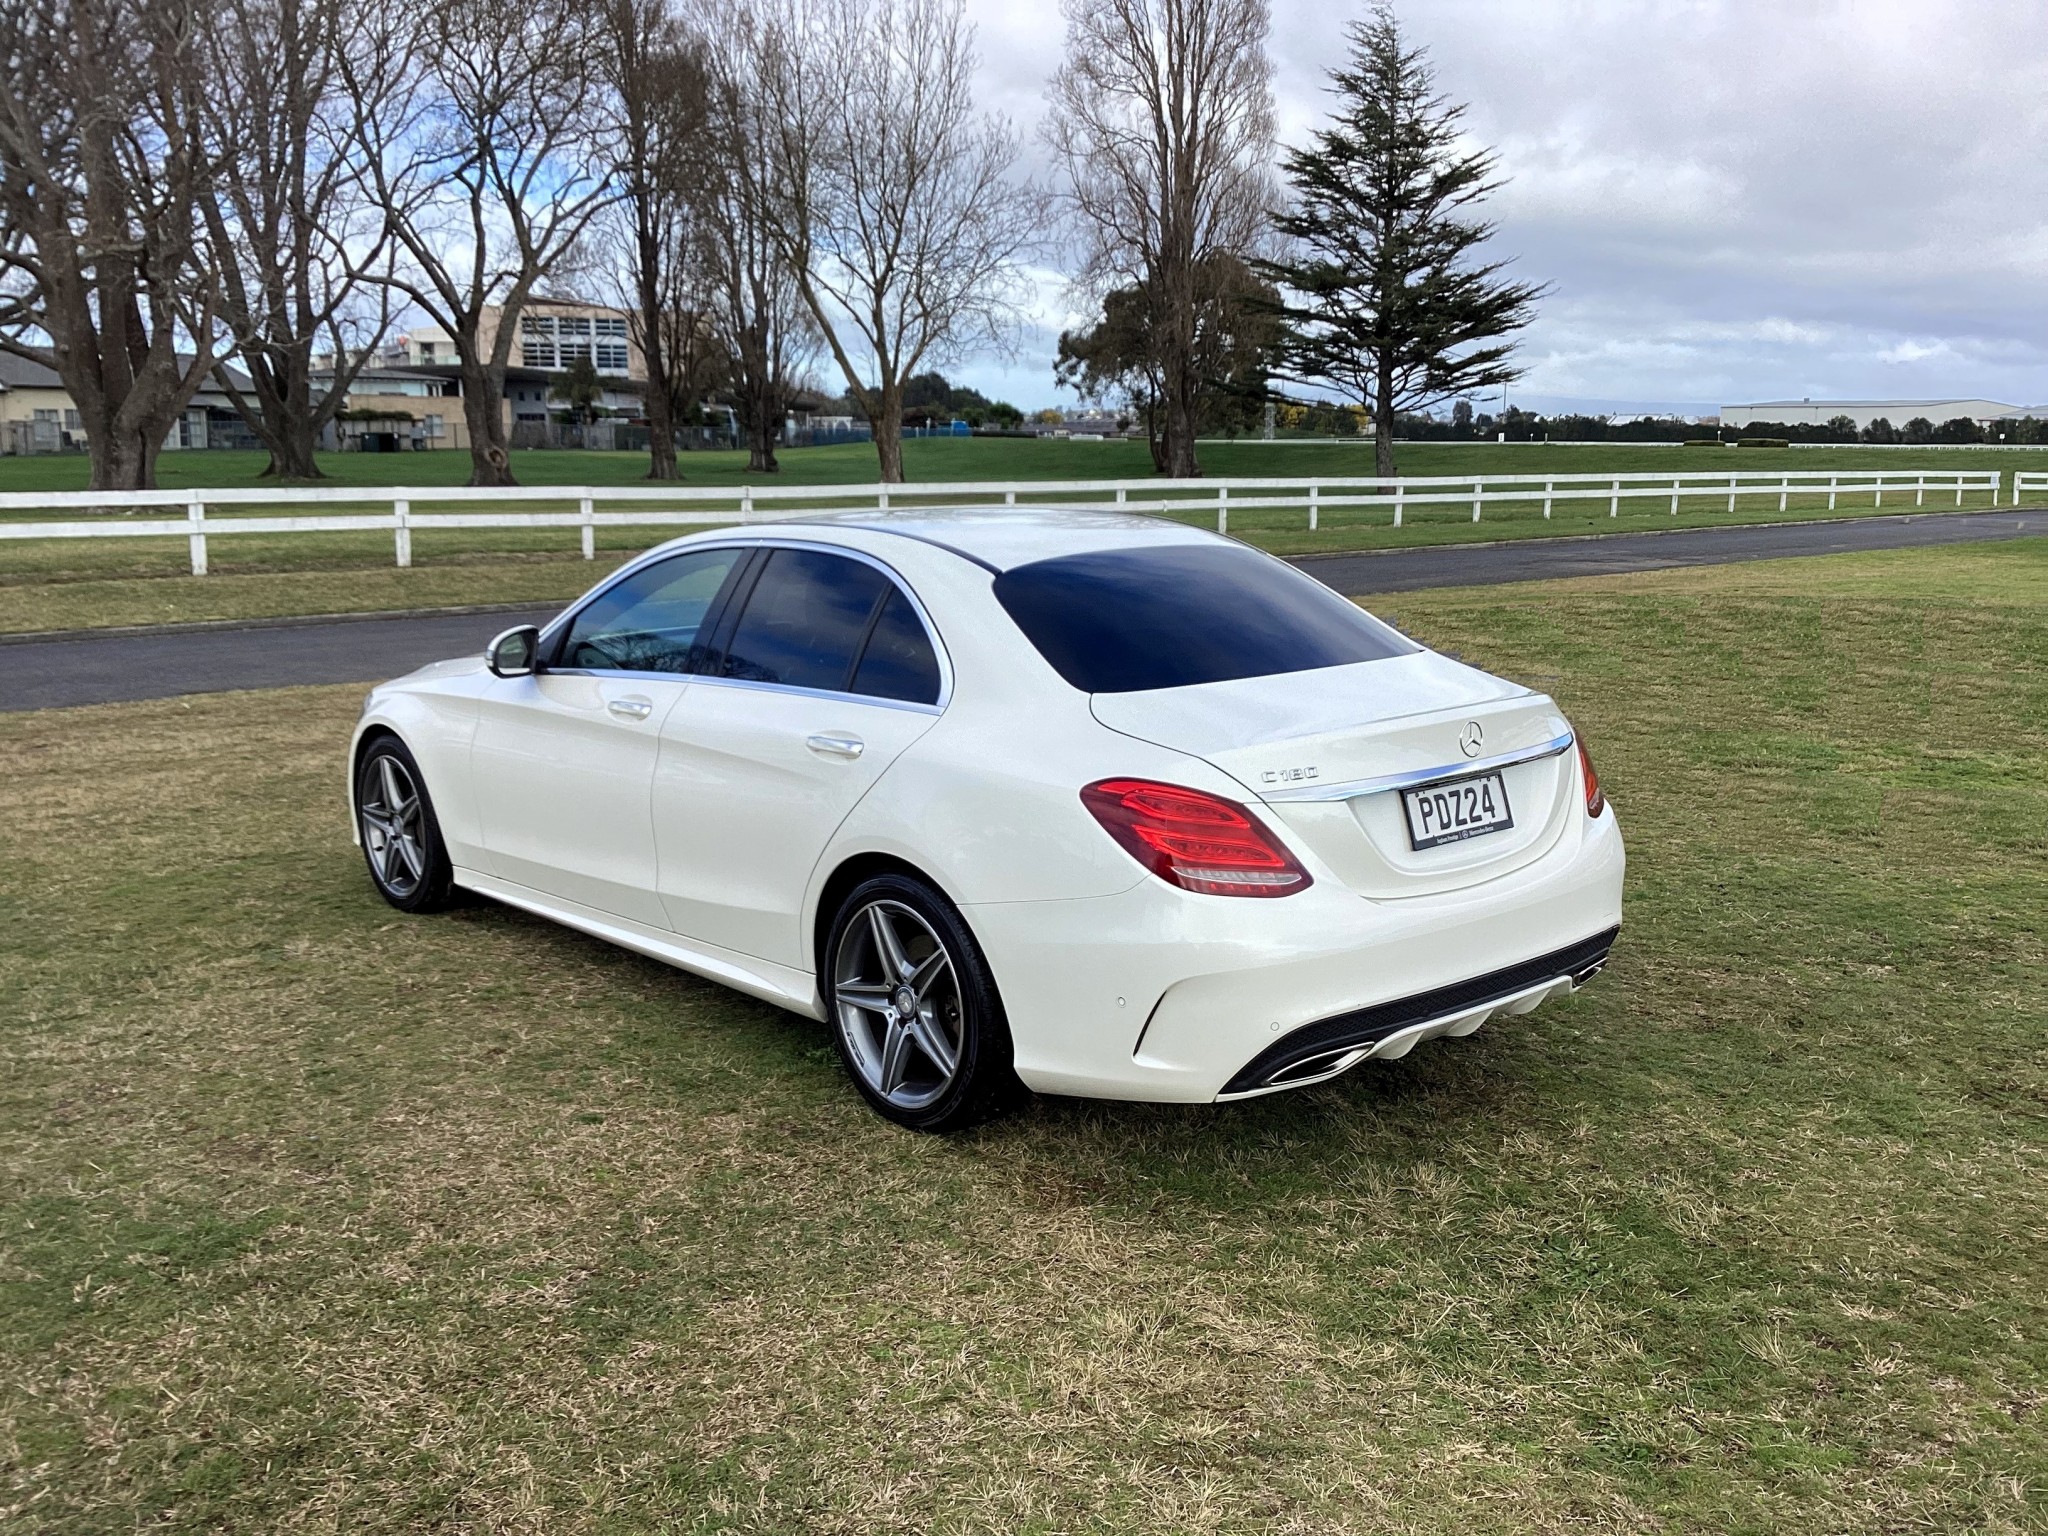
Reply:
x=1959, y=490
x=1400, y=491
x=401, y=523
x=1223, y=509
x=584, y=511
x=881, y=498
x=1549, y=487
x=1674, y=495
x=1478, y=487
x=1313, y=492
x=1009, y=498
x=1920, y=491
x=1731, y=493
x=1877, y=479
x=1833, y=480
x=1784, y=490
x=197, y=513
x=1122, y=492
x=747, y=502
x=1614, y=501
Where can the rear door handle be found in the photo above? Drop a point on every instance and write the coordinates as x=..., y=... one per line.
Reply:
x=630, y=709
x=834, y=744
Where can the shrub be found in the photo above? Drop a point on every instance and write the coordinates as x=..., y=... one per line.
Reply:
x=1762, y=442
x=1703, y=442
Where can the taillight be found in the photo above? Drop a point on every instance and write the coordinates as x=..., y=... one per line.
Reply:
x=1596, y=798
x=1199, y=842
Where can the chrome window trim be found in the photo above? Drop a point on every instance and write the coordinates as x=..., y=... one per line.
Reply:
x=1418, y=777
x=889, y=573
x=692, y=679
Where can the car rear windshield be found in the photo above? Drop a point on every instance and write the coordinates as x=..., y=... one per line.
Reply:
x=1130, y=620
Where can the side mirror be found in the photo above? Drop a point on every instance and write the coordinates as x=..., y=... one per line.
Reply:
x=513, y=653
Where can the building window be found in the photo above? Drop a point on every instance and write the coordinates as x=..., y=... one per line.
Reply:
x=71, y=421
x=434, y=426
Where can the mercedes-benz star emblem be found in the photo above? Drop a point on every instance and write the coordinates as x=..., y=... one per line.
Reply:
x=1472, y=738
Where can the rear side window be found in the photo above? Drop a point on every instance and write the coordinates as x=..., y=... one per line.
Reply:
x=1131, y=620
x=898, y=662
x=804, y=623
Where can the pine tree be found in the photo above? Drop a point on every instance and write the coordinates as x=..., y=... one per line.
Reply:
x=1385, y=300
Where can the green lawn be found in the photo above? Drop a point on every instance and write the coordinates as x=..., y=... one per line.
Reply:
x=954, y=458
x=317, y=1218
x=69, y=584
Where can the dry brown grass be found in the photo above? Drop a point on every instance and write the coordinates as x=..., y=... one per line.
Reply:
x=315, y=1218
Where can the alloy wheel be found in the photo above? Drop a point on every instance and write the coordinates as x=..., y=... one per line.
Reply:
x=897, y=998
x=393, y=833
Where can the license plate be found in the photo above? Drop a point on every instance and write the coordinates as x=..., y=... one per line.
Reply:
x=1450, y=813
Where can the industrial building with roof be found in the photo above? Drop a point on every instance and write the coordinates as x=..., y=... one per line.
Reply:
x=1818, y=413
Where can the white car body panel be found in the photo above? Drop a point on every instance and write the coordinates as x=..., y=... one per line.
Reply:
x=707, y=832
x=745, y=805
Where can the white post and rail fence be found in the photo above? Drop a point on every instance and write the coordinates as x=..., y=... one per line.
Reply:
x=202, y=515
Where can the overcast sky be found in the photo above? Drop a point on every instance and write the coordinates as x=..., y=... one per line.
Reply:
x=1734, y=200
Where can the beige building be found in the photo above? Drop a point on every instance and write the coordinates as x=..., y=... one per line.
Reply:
x=36, y=413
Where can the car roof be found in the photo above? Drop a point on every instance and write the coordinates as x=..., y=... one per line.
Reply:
x=1004, y=537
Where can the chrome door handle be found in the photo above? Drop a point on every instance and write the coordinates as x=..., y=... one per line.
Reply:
x=630, y=709
x=826, y=744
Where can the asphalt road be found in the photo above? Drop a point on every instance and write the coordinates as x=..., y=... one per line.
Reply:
x=105, y=668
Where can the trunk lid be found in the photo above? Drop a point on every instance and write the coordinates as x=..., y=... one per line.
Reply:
x=1317, y=749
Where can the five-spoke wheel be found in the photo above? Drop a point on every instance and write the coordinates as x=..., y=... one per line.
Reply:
x=913, y=1007
x=401, y=839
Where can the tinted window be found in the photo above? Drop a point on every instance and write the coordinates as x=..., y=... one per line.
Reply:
x=805, y=620
x=649, y=621
x=1126, y=620
x=898, y=662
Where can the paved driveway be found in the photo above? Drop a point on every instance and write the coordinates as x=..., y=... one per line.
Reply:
x=97, y=669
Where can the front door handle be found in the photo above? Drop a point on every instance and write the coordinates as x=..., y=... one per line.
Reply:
x=631, y=709
x=836, y=744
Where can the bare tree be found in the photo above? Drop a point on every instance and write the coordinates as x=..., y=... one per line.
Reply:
x=895, y=207
x=1162, y=116
x=491, y=158
x=102, y=168
x=757, y=313
x=657, y=76
x=293, y=235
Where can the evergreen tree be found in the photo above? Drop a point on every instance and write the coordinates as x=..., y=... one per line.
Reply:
x=1385, y=298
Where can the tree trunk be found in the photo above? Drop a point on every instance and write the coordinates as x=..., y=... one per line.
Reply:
x=887, y=421
x=1383, y=431
x=291, y=457
x=483, y=410
x=661, y=434
x=762, y=429
x=123, y=461
x=1181, y=463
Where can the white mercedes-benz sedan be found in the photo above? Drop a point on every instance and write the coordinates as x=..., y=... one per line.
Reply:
x=1090, y=803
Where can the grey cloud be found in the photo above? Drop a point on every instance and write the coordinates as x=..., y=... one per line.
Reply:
x=1733, y=199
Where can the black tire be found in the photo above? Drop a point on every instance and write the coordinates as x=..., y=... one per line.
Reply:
x=957, y=1008
x=411, y=869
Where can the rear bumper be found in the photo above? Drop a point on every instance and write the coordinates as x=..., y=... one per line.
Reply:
x=1385, y=1031
x=1159, y=994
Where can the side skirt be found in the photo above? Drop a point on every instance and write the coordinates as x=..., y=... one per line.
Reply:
x=778, y=984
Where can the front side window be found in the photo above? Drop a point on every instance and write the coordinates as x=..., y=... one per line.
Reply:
x=650, y=621
x=1175, y=615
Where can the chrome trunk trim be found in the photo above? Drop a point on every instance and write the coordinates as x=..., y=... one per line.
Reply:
x=1417, y=777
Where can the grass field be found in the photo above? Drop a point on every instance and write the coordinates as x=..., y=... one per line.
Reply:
x=315, y=1218
x=71, y=584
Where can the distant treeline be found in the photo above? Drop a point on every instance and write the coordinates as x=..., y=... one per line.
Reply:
x=1530, y=426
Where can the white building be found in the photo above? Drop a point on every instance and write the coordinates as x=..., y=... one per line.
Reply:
x=1819, y=413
